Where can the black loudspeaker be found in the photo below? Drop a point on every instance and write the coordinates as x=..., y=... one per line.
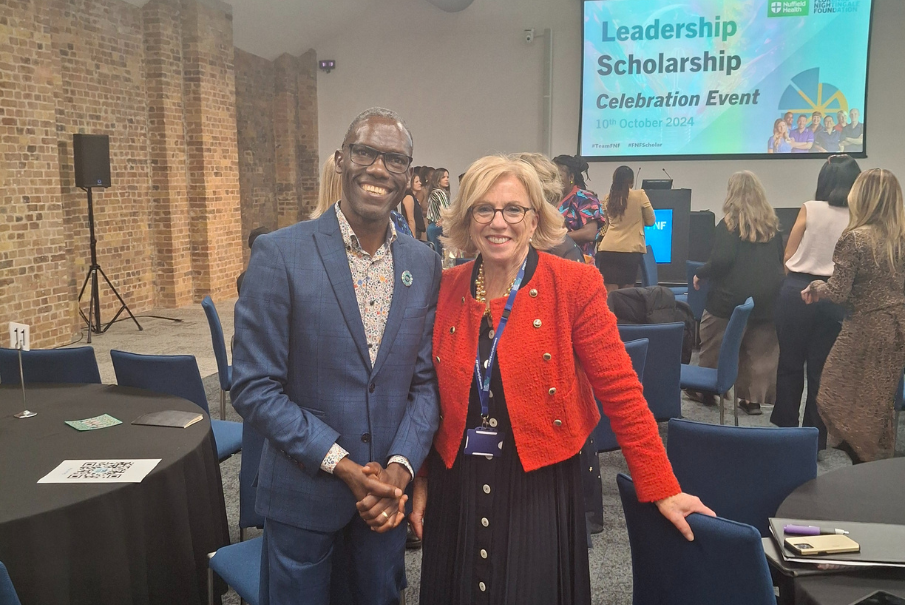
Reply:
x=92, y=160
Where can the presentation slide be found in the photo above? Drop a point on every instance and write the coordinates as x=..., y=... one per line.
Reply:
x=723, y=78
x=659, y=236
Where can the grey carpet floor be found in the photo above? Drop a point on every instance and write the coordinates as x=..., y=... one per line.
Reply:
x=610, y=557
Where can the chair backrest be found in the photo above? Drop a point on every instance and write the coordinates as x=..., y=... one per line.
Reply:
x=742, y=473
x=696, y=298
x=76, y=366
x=170, y=374
x=252, y=446
x=603, y=436
x=8, y=594
x=663, y=367
x=649, y=276
x=727, y=364
x=724, y=564
x=213, y=320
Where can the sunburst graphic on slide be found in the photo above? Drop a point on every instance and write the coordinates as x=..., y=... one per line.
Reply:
x=807, y=94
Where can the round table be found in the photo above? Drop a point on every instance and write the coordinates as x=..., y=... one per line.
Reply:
x=118, y=543
x=864, y=493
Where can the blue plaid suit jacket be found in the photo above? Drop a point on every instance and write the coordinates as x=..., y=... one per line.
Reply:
x=303, y=378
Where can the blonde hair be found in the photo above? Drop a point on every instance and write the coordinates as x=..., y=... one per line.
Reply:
x=747, y=209
x=331, y=187
x=547, y=172
x=876, y=204
x=477, y=181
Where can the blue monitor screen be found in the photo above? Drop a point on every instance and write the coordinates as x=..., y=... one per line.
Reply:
x=659, y=236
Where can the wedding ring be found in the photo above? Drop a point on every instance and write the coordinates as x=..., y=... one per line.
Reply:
x=384, y=513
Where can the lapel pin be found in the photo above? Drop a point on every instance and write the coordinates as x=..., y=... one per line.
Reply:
x=406, y=278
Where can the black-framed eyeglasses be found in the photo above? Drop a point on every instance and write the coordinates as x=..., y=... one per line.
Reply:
x=512, y=213
x=365, y=156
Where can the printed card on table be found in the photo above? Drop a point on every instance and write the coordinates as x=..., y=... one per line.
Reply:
x=100, y=471
x=91, y=424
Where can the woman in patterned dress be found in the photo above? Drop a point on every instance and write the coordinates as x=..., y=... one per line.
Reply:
x=857, y=388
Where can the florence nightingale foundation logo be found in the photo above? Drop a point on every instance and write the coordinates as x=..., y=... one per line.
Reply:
x=788, y=8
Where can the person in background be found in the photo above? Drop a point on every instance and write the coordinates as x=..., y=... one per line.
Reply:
x=411, y=208
x=251, y=242
x=853, y=133
x=840, y=120
x=746, y=261
x=788, y=118
x=827, y=140
x=627, y=211
x=551, y=180
x=858, y=387
x=806, y=333
x=780, y=142
x=508, y=526
x=437, y=201
x=425, y=173
x=580, y=207
x=816, y=121
x=802, y=137
x=330, y=188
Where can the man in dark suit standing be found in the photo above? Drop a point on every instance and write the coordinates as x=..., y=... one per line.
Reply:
x=333, y=366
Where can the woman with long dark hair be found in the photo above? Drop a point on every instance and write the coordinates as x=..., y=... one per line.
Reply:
x=437, y=201
x=580, y=208
x=806, y=333
x=411, y=207
x=628, y=211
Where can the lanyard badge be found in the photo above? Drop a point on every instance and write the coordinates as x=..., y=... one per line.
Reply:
x=484, y=440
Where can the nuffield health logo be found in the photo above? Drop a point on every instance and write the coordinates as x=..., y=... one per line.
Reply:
x=787, y=8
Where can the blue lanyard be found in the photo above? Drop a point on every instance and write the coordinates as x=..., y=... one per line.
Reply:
x=484, y=383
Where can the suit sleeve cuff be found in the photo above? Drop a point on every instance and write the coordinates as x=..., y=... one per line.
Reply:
x=334, y=455
x=404, y=462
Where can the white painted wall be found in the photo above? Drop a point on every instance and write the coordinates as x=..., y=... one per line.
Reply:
x=468, y=85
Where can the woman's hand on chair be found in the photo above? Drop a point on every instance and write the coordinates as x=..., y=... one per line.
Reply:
x=676, y=508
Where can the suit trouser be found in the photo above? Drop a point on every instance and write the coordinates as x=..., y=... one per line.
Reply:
x=806, y=335
x=353, y=566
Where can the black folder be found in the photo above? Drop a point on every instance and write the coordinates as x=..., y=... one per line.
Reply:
x=881, y=543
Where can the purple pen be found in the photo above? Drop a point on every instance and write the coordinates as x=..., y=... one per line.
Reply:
x=812, y=530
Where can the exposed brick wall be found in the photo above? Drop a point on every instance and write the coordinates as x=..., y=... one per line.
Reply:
x=34, y=275
x=279, y=100
x=254, y=117
x=160, y=81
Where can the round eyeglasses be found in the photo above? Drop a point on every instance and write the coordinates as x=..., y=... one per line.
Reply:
x=512, y=213
x=365, y=156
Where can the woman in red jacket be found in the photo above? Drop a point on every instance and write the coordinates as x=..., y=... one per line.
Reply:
x=523, y=341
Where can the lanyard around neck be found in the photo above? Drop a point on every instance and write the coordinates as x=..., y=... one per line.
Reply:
x=484, y=382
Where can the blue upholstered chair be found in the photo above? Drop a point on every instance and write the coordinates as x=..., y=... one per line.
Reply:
x=724, y=564
x=76, y=366
x=224, y=370
x=663, y=366
x=8, y=594
x=240, y=566
x=742, y=473
x=252, y=446
x=604, y=439
x=176, y=375
x=719, y=380
x=650, y=275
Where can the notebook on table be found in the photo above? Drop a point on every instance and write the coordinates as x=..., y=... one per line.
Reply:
x=173, y=418
x=881, y=543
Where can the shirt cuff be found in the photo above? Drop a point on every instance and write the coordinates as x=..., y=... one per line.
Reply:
x=404, y=462
x=334, y=455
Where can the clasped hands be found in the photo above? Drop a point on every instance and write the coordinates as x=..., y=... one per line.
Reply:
x=378, y=492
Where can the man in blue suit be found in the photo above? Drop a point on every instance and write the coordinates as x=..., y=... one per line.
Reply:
x=333, y=366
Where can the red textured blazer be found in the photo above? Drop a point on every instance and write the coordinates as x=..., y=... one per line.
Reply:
x=560, y=348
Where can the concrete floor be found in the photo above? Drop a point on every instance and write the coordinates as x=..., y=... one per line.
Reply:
x=610, y=557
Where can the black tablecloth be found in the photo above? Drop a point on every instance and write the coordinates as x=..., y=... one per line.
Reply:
x=122, y=543
x=867, y=493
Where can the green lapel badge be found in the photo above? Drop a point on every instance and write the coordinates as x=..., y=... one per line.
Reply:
x=406, y=278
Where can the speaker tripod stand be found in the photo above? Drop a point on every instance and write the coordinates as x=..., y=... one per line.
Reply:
x=93, y=317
